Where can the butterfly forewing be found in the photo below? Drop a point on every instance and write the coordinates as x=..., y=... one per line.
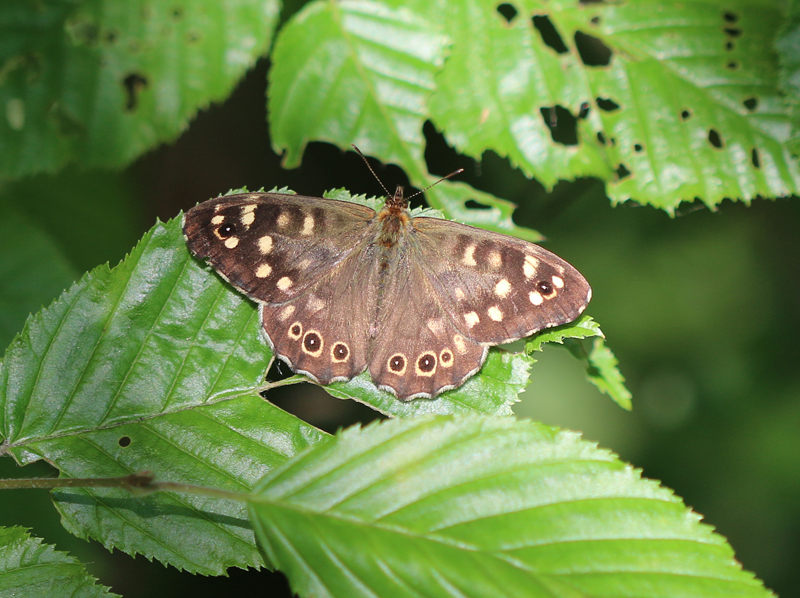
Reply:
x=273, y=246
x=497, y=288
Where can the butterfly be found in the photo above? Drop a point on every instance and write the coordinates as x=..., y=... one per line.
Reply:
x=416, y=301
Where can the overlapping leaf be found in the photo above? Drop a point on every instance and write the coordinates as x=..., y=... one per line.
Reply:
x=667, y=102
x=601, y=364
x=476, y=506
x=31, y=569
x=153, y=365
x=103, y=82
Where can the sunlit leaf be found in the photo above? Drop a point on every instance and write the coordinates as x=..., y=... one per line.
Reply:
x=483, y=506
x=152, y=365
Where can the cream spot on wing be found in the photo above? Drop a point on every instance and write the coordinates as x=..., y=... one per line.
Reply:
x=530, y=266
x=461, y=346
x=495, y=313
x=558, y=282
x=471, y=319
x=459, y=294
x=265, y=244
x=502, y=288
x=286, y=312
x=303, y=264
x=435, y=325
x=469, y=256
x=263, y=271
x=536, y=298
x=218, y=219
x=315, y=303
x=284, y=283
x=308, y=225
x=283, y=220
x=495, y=259
x=248, y=216
x=231, y=242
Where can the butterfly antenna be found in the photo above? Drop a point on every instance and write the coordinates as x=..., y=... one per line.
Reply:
x=363, y=157
x=445, y=177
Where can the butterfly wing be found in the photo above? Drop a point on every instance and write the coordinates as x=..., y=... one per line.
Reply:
x=465, y=289
x=418, y=350
x=497, y=288
x=272, y=246
x=299, y=258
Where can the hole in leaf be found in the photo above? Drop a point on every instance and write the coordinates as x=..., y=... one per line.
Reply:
x=134, y=84
x=732, y=65
x=622, y=172
x=751, y=104
x=595, y=20
x=729, y=46
x=637, y=147
x=549, y=33
x=85, y=33
x=124, y=441
x=733, y=31
x=685, y=115
x=177, y=13
x=730, y=17
x=601, y=138
x=607, y=104
x=507, y=11
x=476, y=205
x=562, y=125
x=714, y=139
x=592, y=51
x=755, y=158
x=584, y=111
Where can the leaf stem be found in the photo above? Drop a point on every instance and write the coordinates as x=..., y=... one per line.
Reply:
x=138, y=484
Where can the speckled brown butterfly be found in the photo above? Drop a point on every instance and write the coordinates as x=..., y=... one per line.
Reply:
x=417, y=301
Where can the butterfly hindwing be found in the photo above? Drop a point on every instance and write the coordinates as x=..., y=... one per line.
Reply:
x=324, y=332
x=429, y=357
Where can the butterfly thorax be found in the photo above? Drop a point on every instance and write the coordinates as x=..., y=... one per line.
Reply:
x=394, y=219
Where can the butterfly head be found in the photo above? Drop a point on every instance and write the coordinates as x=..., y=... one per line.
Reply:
x=394, y=218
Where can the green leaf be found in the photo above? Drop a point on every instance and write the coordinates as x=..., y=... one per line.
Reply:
x=153, y=365
x=362, y=71
x=482, y=506
x=33, y=270
x=684, y=99
x=354, y=72
x=601, y=365
x=31, y=569
x=103, y=82
x=602, y=370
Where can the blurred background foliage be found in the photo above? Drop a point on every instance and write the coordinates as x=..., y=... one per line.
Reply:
x=702, y=311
